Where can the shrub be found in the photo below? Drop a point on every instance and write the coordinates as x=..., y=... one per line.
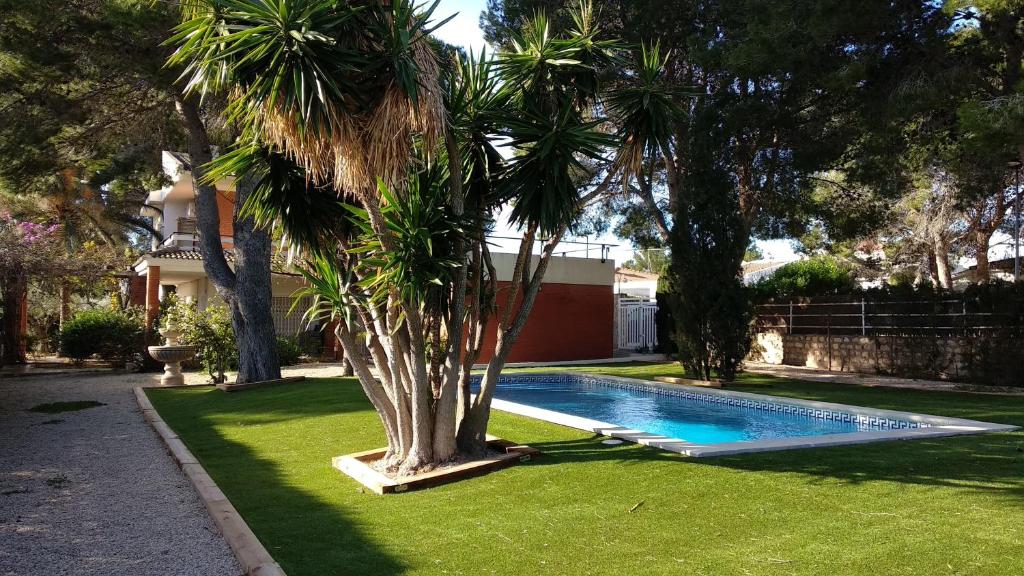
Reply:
x=288, y=351
x=210, y=332
x=818, y=276
x=113, y=335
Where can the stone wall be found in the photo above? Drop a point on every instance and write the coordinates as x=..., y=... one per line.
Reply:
x=954, y=358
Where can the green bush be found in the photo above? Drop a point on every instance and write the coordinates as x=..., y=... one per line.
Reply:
x=113, y=335
x=818, y=276
x=288, y=351
x=210, y=332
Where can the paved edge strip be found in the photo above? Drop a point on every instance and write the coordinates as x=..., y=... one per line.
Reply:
x=249, y=551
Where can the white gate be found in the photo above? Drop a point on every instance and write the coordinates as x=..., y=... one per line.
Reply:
x=636, y=325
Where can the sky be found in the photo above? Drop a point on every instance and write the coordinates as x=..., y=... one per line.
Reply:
x=464, y=30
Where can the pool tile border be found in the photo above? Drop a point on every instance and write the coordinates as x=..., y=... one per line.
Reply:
x=898, y=425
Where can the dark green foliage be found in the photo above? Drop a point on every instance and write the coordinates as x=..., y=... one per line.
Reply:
x=419, y=260
x=997, y=358
x=665, y=324
x=308, y=214
x=210, y=331
x=818, y=276
x=709, y=303
x=551, y=79
x=58, y=407
x=711, y=325
x=288, y=351
x=112, y=335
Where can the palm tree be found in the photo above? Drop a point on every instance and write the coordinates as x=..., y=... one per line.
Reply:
x=353, y=107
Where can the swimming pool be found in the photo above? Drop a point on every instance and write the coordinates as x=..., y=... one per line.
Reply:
x=702, y=422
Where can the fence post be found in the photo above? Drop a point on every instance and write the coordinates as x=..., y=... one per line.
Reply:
x=828, y=329
x=863, y=320
x=789, y=325
x=963, y=316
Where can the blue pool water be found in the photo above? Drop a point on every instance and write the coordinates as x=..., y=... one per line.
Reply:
x=691, y=419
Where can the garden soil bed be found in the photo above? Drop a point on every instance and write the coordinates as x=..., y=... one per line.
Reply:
x=360, y=466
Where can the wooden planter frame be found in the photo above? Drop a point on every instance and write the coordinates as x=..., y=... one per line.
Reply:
x=358, y=467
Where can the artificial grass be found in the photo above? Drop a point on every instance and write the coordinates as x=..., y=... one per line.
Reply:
x=942, y=506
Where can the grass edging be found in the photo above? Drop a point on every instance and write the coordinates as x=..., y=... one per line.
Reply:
x=249, y=551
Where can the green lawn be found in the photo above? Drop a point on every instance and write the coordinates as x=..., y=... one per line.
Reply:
x=930, y=507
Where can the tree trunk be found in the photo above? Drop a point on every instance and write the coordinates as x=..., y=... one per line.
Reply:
x=65, y=304
x=943, y=273
x=472, y=434
x=250, y=307
x=15, y=308
x=246, y=289
x=981, y=270
x=446, y=403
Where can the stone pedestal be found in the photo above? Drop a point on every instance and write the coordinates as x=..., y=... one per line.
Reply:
x=172, y=355
x=172, y=375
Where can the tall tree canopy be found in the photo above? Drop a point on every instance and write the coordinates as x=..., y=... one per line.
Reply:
x=89, y=99
x=728, y=120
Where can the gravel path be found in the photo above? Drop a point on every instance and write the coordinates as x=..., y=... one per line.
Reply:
x=94, y=491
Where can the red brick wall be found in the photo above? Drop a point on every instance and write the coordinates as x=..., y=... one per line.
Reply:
x=137, y=291
x=226, y=212
x=568, y=322
x=152, y=294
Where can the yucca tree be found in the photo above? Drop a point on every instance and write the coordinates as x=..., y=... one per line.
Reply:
x=351, y=106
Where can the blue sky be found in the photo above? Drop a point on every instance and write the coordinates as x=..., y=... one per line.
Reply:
x=464, y=30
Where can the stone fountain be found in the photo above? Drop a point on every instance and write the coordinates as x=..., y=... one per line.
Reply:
x=172, y=355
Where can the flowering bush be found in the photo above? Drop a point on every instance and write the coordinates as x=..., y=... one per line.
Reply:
x=27, y=250
x=27, y=247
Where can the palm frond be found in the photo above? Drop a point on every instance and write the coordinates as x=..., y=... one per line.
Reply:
x=645, y=111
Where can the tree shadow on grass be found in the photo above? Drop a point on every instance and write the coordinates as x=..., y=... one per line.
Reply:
x=305, y=533
x=310, y=398
x=987, y=463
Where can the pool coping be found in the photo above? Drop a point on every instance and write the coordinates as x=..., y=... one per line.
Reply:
x=938, y=426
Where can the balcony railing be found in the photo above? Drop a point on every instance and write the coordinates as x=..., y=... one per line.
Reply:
x=190, y=241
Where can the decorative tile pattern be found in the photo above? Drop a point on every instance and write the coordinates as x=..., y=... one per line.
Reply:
x=767, y=405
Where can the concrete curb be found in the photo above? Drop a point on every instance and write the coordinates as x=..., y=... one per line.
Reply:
x=249, y=551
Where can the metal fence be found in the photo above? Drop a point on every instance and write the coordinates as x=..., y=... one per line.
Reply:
x=862, y=317
x=288, y=322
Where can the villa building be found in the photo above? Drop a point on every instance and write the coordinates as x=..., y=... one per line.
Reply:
x=572, y=318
